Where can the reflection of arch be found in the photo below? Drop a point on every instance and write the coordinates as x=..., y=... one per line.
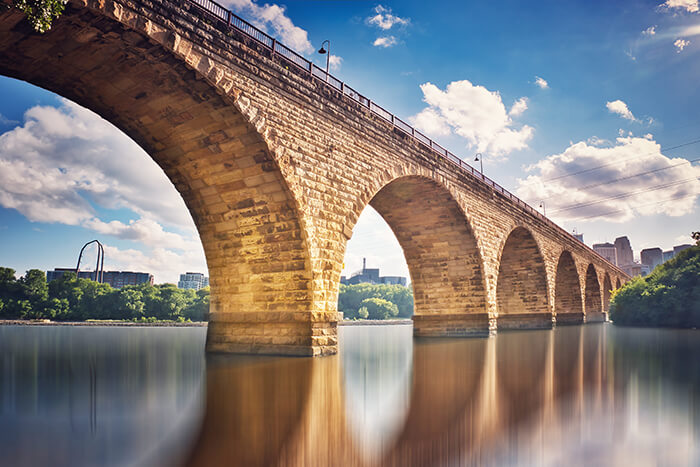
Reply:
x=567, y=296
x=253, y=407
x=593, y=300
x=607, y=290
x=177, y=106
x=521, y=290
x=440, y=249
x=447, y=380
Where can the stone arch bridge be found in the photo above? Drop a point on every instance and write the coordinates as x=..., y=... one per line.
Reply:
x=276, y=160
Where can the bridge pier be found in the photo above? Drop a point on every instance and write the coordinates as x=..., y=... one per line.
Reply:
x=525, y=321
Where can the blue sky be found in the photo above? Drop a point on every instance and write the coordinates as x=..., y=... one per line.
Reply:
x=541, y=89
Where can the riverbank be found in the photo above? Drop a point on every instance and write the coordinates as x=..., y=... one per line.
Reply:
x=197, y=324
x=46, y=322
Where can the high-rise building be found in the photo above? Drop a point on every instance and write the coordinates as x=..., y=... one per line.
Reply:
x=652, y=257
x=192, y=280
x=607, y=251
x=624, y=251
x=116, y=279
x=668, y=255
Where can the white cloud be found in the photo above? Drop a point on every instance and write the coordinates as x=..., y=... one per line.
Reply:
x=620, y=163
x=518, y=107
x=681, y=44
x=650, y=31
x=541, y=82
x=384, y=19
x=385, y=41
x=691, y=6
x=165, y=265
x=274, y=17
x=474, y=113
x=65, y=163
x=6, y=121
x=620, y=108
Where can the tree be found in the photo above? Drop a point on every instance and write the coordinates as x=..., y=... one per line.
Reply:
x=8, y=284
x=198, y=307
x=129, y=304
x=378, y=308
x=669, y=296
x=34, y=288
x=41, y=13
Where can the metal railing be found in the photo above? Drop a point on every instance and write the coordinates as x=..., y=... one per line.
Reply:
x=230, y=20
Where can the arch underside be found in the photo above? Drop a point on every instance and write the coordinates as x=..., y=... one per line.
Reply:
x=568, y=305
x=231, y=184
x=521, y=290
x=442, y=256
x=594, y=303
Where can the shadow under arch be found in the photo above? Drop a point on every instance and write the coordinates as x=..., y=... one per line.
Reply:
x=568, y=305
x=521, y=289
x=195, y=131
x=617, y=283
x=607, y=291
x=441, y=252
x=594, y=302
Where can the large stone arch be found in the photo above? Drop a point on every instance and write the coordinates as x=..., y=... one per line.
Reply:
x=441, y=253
x=150, y=84
x=521, y=289
x=568, y=305
x=594, y=302
x=607, y=291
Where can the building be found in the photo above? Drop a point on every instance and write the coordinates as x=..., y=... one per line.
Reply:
x=371, y=276
x=192, y=280
x=116, y=279
x=624, y=251
x=668, y=255
x=678, y=248
x=652, y=257
x=607, y=251
x=635, y=269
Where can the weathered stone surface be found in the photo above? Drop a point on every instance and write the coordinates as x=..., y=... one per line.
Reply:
x=275, y=167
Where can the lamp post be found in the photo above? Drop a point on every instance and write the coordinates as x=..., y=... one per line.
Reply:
x=544, y=210
x=481, y=161
x=328, y=54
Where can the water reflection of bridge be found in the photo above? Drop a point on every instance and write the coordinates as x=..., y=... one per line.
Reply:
x=471, y=401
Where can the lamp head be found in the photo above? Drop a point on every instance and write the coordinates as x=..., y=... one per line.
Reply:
x=322, y=50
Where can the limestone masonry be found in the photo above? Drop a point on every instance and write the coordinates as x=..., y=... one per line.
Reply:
x=276, y=166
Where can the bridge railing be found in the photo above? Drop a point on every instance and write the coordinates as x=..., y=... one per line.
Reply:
x=228, y=19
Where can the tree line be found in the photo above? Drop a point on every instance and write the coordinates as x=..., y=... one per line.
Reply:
x=375, y=301
x=70, y=298
x=668, y=297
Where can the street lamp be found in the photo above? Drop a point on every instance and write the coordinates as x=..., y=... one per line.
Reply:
x=544, y=210
x=328, y=56
x=481, y=160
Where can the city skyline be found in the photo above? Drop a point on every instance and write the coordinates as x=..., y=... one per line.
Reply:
x=580, y=101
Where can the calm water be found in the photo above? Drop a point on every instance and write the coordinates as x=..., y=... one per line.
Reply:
x=583, y=395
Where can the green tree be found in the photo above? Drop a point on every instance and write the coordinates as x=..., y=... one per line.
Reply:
x=9, y=287
x=669, y=296
x=378, y=308
x=34, y=288
x=129, y=303
x=41, y=13
x=198, y=307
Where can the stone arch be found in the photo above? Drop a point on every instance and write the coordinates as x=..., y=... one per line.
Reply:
x=568, y=305
x=182, y=111
x=617, y=283
x=607, y=291
x=441, y=253
x=521, y=289
x=593, y=299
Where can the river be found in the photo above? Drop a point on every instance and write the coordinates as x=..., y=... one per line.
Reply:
x=578, y=395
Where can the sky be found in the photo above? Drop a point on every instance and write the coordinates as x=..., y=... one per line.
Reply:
x=588, y=108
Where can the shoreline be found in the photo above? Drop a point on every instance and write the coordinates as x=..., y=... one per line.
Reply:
x=198, y=324
x=21, y=322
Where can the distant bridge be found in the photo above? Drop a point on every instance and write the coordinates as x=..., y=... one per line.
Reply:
x=276, y=160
